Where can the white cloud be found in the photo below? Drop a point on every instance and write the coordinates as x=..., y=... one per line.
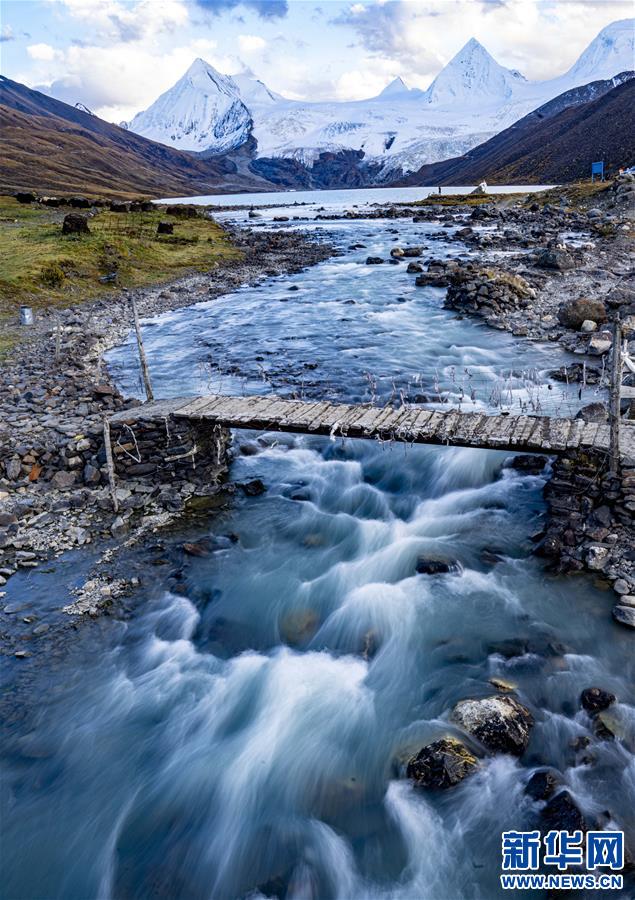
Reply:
x=42, y=52
x=121, y=21
x=251, y=43
x=541, y=38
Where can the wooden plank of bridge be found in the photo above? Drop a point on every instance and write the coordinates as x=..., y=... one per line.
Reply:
x=500, y=434
x=589, y=433
x=559, y=430
x=446, y=428
x=193, y=407
x=380, y=419
x=575, y=433
x=303, y=417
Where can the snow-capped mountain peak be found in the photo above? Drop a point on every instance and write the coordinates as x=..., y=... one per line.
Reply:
x=202, y=111
x=612, y=51
x=253, y=90
x=470, y=100
x=396, y=87
x=472, y=75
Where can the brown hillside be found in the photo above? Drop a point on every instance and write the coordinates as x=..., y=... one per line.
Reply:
x=51, y=147
x=547, y=148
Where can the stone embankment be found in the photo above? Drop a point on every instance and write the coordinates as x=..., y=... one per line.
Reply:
x=55, y=493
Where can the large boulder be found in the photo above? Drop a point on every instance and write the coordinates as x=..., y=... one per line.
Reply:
x=500, y=723
x=75, y=223
x=441, y=764
x=558, y=260
x=574, y=313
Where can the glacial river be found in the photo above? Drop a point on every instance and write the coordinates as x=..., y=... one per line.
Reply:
x=242, y=731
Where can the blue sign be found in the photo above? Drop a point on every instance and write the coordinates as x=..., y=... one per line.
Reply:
x=597, y=168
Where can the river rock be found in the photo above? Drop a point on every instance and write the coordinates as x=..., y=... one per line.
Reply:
x=593, y=412
x=531, y=463
x=575, y=313
x=588, y=326
x=13, y=469
x=542, y=784
x=625, y=615
x=559, y=260
x=427, y=565
x=374, y=260
x=594, y=699
x=63, y=480
x=501, y=723
x=298, y=626
x=441, y=764
x=396, y=252
x=562, y=814
x=253, y=488
x=600, y=344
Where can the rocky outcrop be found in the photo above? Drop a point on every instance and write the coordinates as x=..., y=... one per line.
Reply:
x=574, y=313
x=501, y=724
x=486, y=291
x=441, y=764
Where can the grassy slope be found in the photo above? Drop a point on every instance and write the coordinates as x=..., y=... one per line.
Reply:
x=41, y=267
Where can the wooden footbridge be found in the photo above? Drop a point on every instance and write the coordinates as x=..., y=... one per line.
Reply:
x=408, y=424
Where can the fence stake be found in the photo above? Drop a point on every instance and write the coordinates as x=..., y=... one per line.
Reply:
x=142, y=354
x=111, y=466
x=615, y=396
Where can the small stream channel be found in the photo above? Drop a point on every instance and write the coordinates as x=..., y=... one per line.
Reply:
x=240, y=732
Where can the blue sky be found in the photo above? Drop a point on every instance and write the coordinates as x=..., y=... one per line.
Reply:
x=117, y=56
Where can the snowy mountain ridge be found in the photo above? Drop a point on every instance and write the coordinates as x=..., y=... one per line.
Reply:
x=472, y=98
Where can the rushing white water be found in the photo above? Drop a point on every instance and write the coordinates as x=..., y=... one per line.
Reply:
x=243, y=732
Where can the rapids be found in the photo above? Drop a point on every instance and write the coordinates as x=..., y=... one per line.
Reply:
x=242, y=731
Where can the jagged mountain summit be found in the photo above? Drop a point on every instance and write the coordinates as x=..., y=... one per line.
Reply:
x=471, y=99
x=203, y=111
x=473, y=75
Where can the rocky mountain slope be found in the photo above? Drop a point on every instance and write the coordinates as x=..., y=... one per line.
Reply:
x=470, y=100
x=555, y=143
x=50, y=146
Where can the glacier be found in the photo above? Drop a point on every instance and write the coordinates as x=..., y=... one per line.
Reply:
x=471, y=99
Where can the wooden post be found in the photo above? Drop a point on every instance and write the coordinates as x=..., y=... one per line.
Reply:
x=142, y=354
x=615, y=396
x=58, y=341
x=111, y=466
